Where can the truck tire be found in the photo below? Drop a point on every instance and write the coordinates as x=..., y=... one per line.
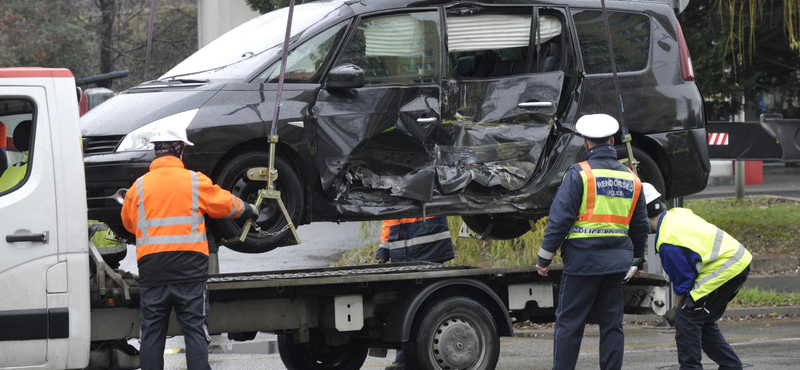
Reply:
x=455, y=333
x=315, y=355
x=503, y=227
x=233, y=177
x=648, y=168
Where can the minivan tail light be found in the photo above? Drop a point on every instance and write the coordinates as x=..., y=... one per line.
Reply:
x=687, y=71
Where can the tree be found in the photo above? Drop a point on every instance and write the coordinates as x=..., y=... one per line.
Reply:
x=763, y=71
x=266, y=6
x=39, y=34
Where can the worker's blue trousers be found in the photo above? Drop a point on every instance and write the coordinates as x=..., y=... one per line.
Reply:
x=696, y=328
x=191, y=308
x=579, y=296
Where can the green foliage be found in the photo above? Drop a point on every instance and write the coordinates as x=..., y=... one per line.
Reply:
x=39, y=34
x=757, y=297
x=739, y=50
x=469, y=251
x=763, y=225
x=266, y=6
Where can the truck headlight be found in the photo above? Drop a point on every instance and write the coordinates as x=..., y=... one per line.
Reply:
x=139, y=139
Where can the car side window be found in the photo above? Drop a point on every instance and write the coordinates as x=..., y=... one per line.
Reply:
x=307, y=62
x=16, y=144
x=630, y=35
x=396, y=49
x=491, y=43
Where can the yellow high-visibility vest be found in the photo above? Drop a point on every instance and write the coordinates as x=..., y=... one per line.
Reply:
x=722, y=256
x=609, y=199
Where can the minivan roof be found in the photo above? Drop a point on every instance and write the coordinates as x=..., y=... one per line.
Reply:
x=367, y=6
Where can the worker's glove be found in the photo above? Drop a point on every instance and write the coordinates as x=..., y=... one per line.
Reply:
x=381, y=260
x=254, y=212
x=670, y=315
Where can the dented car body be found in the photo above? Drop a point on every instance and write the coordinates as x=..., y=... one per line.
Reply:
x=404, y=108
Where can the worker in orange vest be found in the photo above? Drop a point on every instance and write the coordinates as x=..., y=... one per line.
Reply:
x=414, y=239
x=165, y=210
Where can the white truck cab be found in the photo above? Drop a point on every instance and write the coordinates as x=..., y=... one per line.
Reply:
x=44, y=269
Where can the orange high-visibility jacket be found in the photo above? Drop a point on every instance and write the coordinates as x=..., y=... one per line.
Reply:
x=164, y=209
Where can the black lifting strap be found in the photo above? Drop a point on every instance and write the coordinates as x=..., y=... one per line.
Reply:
x=626, y=136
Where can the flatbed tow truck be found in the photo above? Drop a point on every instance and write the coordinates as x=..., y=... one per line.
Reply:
x=59, y=311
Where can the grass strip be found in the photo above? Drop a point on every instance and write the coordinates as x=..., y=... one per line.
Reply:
x=757, y=297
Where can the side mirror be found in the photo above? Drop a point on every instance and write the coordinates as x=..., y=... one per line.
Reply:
x=346, y=76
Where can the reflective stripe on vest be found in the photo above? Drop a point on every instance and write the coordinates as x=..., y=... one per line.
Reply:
x=722, y=257
x=154, y=244
x=608, y=213
x=416, y=241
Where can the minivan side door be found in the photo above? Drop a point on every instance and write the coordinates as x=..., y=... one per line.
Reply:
x=380, y=136
x=501, y=93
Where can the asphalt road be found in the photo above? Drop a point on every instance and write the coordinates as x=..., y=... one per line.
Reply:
x=762, y=345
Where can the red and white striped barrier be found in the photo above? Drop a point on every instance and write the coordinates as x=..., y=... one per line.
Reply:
x=717, y=138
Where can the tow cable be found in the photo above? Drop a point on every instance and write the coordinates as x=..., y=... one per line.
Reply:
x=270, y=174
x=629, y=162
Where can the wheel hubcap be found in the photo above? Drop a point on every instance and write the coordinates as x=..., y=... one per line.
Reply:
x=456, y=345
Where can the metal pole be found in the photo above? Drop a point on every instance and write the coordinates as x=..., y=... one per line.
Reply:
x=739, y=179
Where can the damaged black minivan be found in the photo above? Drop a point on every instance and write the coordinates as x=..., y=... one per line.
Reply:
x=406, y=108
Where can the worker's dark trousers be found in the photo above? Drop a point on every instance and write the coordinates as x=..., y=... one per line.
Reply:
x=191, y=307
x=696, y=328
x=602, y=296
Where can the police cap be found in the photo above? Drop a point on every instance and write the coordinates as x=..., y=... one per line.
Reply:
x=597, y=126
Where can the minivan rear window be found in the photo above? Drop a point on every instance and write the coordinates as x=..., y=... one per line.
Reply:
x=630, y=34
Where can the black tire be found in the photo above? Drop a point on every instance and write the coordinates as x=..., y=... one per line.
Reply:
x=455, y=333
x=120, y=231
x=503, y=227
x=315, y=355
x=648, y=168
x=233, y=177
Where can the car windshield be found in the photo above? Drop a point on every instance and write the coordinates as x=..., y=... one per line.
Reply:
x=238, y=53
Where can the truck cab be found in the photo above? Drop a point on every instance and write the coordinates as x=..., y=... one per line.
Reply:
x=44, y=269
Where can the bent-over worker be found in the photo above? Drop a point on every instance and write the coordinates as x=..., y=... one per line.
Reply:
x=164, y=209
x=599, y=221
x=707, y=268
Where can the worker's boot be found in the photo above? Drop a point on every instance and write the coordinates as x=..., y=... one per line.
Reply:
x=396, y=366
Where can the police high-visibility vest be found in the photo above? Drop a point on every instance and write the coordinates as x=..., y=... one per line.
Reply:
x=609, y=198
x=722, y=257
x=165, y=208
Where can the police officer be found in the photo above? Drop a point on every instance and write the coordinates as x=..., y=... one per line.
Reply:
x=164, y=209
x=412, y=239
x=707, y=268
x=599, y=221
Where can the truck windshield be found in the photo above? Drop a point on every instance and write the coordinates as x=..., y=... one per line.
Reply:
x=238, y=53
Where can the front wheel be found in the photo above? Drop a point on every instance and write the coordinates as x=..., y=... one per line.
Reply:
x=272, y=228
x=315, y=355
x=455, y=333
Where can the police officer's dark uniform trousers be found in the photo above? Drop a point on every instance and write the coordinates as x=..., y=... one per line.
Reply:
x=599, y=221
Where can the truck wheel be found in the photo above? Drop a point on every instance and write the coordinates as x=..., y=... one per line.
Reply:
x=456, y=333
x=315, y=355
x=503, y=227
x=272, y=224
x=648, y=168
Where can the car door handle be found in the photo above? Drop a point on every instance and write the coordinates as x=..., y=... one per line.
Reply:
x=16, y=238
x=535, y=104
x=427, y=120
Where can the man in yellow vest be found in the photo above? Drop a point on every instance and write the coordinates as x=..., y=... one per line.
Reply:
x=599, y=222
x=707, y=268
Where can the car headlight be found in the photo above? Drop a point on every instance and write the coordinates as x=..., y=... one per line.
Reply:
x=139, y=139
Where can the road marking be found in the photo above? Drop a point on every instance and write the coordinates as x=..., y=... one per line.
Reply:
x=791, y=336
x=172, y=351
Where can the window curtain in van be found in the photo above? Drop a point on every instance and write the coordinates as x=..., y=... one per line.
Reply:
x=496, y=31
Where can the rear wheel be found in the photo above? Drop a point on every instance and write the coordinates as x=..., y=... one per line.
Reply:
x=455, y=333
x=496, y=226
x=315, y=355
x=272, y=227
x=648, y=168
